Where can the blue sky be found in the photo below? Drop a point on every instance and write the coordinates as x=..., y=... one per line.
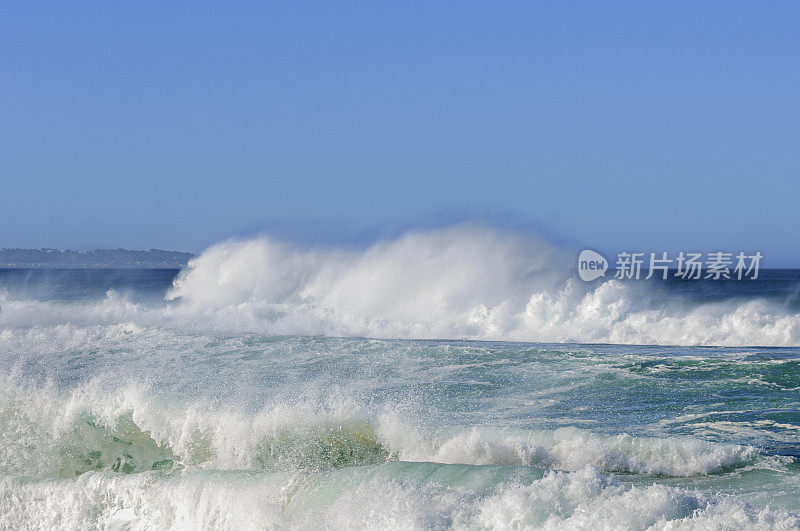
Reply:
x=613, y=125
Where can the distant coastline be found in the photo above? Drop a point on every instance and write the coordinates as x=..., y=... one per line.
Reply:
x=99, y=258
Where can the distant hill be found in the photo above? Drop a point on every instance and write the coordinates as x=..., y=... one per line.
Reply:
x=110, y=258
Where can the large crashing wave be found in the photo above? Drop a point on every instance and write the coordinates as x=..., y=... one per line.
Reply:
x=466, y=281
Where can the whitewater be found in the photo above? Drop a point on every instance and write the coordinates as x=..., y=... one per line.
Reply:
x=460, y=378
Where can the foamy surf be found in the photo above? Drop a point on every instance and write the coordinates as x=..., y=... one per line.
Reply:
x=391, y=496
x=461, y=282
x=134, y=459
x=119, y=410
x=48, y=433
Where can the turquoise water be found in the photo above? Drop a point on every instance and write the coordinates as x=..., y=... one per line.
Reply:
x=155, y=424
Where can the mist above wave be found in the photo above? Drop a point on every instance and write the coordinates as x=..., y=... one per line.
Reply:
x=460, y=282
x=465, y=281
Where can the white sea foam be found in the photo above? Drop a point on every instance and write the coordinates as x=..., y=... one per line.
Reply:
x=585, y=499
x=368, y=498
x=460, y=282
x=465, y=282
x=572, y=449
x=50, y=433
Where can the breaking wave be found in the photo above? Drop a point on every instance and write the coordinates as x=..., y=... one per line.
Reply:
x=462, y=282
x=67, y=459
x=391, y=496
x=49, y=433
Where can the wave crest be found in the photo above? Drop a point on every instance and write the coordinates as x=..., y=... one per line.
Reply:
x=129, y=430
x=463, y=282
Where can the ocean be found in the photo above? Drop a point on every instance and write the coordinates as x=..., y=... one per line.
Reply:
x=458, y=378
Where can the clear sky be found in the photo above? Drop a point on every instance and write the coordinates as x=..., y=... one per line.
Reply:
x=640, y=125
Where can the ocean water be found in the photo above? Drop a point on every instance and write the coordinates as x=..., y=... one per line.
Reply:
x=460, y=378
